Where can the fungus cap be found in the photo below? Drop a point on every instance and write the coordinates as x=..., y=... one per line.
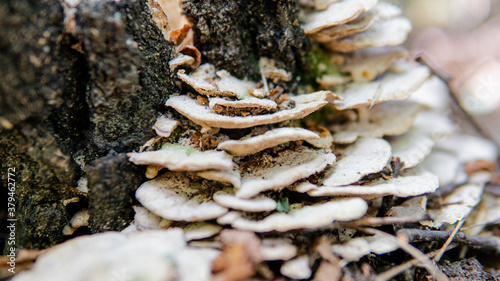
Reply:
x=173, y=196
x=269, y=139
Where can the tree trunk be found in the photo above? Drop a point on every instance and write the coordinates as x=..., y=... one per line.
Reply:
x=80, y=87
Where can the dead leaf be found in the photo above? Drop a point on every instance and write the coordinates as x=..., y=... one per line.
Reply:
x=24, y=256
x=178, y=35
x=475, y=166
x=323, y=249
x=239, y=257
x=78, y=47
x=233, y=264
x=192, y=51
x=328, y=271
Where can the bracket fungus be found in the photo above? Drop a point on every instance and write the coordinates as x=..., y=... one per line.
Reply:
x=385, y=119
x=314, y=216
x=164, y=126
x=273, y=249
x=180, y=158
x=391, y=32
x=298, y=268
x=172, y=196
x=393, y=86
x=110, y=252
x=202, y=115
x=365, y=156
x=458, y=204
x=381, y=11
x=268, y=139
x=288, y=167
x=336, y=13
x=415, y=183
x=262, y=204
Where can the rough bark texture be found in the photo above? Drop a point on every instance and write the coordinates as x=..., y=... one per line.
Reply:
x=466, y=269
x=129, y=73
x=112, y=180
x=37, y=103
x=68, y=98
x=234, y=34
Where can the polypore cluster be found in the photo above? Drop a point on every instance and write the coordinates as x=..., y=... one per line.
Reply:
x=230, y=160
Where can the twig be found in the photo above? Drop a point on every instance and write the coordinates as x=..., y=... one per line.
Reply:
x=394, y=271
x=414, y=252
x=264, y=80
x=448, y=241
x=485, y=243
x=482, y=224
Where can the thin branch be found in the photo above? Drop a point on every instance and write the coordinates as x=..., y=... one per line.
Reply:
x=264, y=80
x=414, y=252
x=448, y=241
x=483, y=243
x=482, y=224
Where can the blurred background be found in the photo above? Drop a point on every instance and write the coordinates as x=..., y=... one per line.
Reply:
x=460, y=40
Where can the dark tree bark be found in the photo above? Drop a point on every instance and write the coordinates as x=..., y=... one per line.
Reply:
x=234, y=34
x=70, y=96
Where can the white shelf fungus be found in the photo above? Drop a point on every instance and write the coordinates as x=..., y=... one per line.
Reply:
x=336, y=13
x=103, y=256
x=392, y=86
x=366, y=64
x=365, y=156
x=164, y=126
x=273, y=249
x=174, y=196
x=183, y=158
x=268, y=139
x=357, y=248
x=385, y=119
x=287, y=168
x=315, y=216
x=458, y=204
x=298, y=268
x=421, y=182
x=201, y=230
x=262, y=204
x=202, y=115
x=250, y=187
x=381, y=11
x=391, y=32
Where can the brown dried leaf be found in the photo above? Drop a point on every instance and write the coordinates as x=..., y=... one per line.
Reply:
x=178, y=35
x=192, y=51
x=473, y=167
x=238, y=258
